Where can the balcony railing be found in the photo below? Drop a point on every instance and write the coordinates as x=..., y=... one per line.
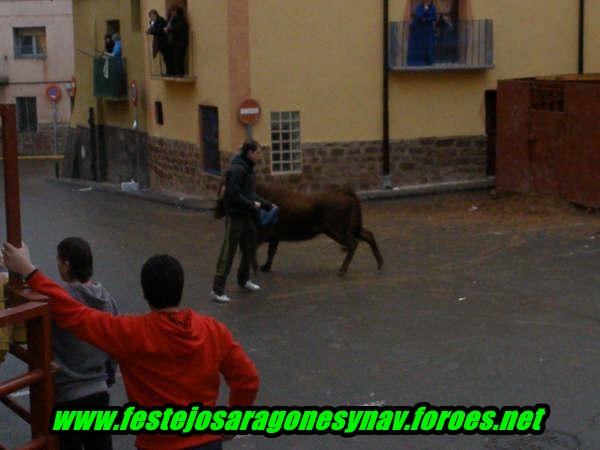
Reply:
x=158, y=67
x=463, y=45
x=110, y=78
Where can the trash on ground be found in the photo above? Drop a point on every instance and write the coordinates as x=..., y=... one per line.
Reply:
x=85, y=189
x=462, y=299
x=130, y=186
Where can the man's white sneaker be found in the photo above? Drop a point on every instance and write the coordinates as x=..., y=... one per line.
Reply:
x=251, y=286
x=219, y=298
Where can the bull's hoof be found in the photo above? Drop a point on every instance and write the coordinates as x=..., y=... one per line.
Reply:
x=265, y=268
x=380, y=265
x=341, y=272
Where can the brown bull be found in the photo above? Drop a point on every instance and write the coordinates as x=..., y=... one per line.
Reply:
x=335, y=212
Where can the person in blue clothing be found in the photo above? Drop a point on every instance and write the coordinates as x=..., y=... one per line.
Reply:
x=421, y=39
x=117, y=49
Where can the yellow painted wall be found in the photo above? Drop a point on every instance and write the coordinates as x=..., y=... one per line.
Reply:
x=592, y=37
x=324, y=59
x=208, y=26
x=89, y=17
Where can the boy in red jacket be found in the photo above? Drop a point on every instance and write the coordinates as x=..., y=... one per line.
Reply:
x=169, y=356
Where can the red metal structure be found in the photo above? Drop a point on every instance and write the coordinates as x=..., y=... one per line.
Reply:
x=26, y=307
x=549, y=137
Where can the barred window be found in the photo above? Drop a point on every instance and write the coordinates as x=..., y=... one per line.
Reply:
x=286, y=155
x=26, y=114
x=30, y=42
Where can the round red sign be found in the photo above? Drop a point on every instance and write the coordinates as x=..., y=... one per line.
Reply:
x=249, y=112
x=53, y=93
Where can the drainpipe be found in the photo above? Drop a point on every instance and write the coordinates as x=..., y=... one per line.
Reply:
x=580, y=62
x=386, y=181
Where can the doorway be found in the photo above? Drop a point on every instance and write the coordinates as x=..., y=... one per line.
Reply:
x=491, y=129
x=209, y=137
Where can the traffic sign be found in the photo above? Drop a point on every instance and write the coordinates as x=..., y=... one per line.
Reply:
x=249, y=112
x=53, y=93
x=133, y=92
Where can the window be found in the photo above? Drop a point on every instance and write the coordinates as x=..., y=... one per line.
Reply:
x=112, y=27
x=136, y=15
x=26, y=114
x=158, y=113
x=286, y=155
x=30, y=42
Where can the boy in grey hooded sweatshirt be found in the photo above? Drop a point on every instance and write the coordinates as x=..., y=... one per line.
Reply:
x=85, y=373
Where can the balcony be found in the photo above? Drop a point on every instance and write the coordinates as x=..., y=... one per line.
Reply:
x=158, y=67
x=110, y=78
x=464, y=45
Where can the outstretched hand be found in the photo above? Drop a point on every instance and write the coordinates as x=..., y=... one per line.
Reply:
x=17, y=260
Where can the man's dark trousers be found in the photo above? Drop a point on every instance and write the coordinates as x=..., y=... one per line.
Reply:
x=86, y=441
x=239, y=230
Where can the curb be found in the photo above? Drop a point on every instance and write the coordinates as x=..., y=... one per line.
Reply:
x=181, y=201
x=429, y=189
x=203, y=205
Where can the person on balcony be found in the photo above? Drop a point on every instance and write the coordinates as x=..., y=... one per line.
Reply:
x=160, y=42
x=117, y=49
x=421, y=39
x=177, y=30
x=109, y=44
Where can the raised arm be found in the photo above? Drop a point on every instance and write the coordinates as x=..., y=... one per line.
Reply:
x=109, y=333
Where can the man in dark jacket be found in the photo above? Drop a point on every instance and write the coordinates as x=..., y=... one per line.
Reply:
x=160, y=42
x=242, y=206
x=178, y=36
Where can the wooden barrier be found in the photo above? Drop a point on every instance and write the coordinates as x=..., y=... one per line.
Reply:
x=28, y=308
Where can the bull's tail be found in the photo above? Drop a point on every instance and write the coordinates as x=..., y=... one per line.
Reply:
x=357, y=212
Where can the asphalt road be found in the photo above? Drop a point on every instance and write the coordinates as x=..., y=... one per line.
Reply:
x=480, y=302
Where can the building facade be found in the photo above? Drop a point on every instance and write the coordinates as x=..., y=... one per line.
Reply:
x=317, y=70
x=36, y=50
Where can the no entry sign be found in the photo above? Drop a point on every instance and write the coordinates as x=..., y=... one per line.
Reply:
x=53, y=93
x=249, y=112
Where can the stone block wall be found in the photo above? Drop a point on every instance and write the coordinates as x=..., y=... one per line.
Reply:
x=432, y=160
x=42, y=141
x=359, y=164
x=176, y=166
x=121, y=155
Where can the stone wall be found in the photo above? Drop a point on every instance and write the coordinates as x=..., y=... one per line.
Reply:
x=359, y=164
x=42, y=141
x=121, y=155
x=176, y=166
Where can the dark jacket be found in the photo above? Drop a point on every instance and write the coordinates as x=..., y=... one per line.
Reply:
x=240, y=189
x=159, y=40
x=178, y=33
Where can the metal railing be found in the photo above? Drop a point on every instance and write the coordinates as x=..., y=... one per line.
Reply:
x=110, y=78
x=158, y=67
x=463, y=45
